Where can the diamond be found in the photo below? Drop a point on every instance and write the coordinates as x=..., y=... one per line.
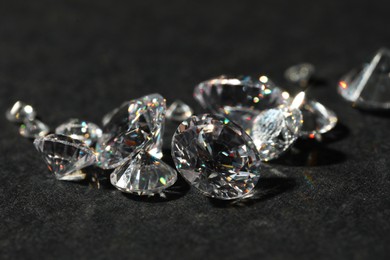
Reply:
x=77, y=129
x=33, y=129
x=137, y=124
x=179, y=111
x=369, y=88
x=65, y=157
x=275, y=130
x=317, y=119
x=216, y=156
x=143, y=174
x=20, y=112
x=299, y=74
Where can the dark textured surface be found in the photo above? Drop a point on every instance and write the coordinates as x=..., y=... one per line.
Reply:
x=82, y=58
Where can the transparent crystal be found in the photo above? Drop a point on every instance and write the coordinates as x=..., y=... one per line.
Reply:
x=20, y=112
x=317, y=119
x=137, y=124
x=143, y=174
x=77, y=129
x=179, y=111
x=65, y=157
x=275, y=130
x=216, y=156
x=299, y=74
x=33, y=129
x=369, y=87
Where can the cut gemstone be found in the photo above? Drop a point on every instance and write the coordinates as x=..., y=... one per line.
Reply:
x=65, y=157
x=179, y=111
x=143, y=174
x=216, y=156
x=33, y=129
x=84, y=131
x=275, y=130
x=299, y=74
x=20, y=112
x=369, y=88
x=317, y=120
x=137, y=124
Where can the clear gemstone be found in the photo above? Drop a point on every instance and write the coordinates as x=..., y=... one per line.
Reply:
x=317, y=119
x=77, y=129
x=143, y=174
x=20, y=112
x=33, y=129
x=216, y=156
x=65, y=157
x=179, y=111
x=137, y=124
x=369, y=87
x=275, y=130
x=299, y=74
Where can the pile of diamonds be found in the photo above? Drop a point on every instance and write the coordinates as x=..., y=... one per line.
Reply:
x=249, y=121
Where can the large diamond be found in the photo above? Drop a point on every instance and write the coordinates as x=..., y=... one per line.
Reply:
x=275, y=130
x=216, y=156
x=369, y=87
x=179, y=111
x=317, y=119
x=65, y=156
x=84, y=131
x=143, y=174
x=137, y=124
x=240, y=99
x=20, y=112
x=33, y=129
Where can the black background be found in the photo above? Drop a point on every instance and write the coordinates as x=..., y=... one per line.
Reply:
x=83, y=58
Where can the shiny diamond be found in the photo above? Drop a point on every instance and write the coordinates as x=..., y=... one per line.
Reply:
x=20, y=112
x=216, y=156
x=143, y=174
x=179, y=111
x=299, y=74
x=137, y=124
x=317, y=120
x=275, y=130
x=65, y=157
x=77, y=129
x=33, y=129
x=369, y=88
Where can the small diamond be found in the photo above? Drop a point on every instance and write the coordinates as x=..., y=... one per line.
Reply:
x=33, y=129
x=65, y=157
x=317, y=120
x=179, y=111
x=137, y=124
x=216, y=156
x=369, y=87
x=77, y=129
x=143, y=174
x=21, y=112
x=275, y=130
x=299, y=74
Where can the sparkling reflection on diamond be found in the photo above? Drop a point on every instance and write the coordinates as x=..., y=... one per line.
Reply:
x=20, y=112
x=77, y=129
x=216, y=156
x=33, y=129
x=65, y=157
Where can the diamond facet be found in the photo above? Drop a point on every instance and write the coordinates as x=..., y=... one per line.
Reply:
x=216, y=156
x=77, y=129
x=20, y=112
x=299, y=74
x=137, y=124
x=317, y=119
x=179, y=111
x=275, y=130
x=369, y=88
x=143, y=174
x=65, y=156
x=33, y=129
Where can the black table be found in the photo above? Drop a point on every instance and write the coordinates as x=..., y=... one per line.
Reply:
x=83, y=58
